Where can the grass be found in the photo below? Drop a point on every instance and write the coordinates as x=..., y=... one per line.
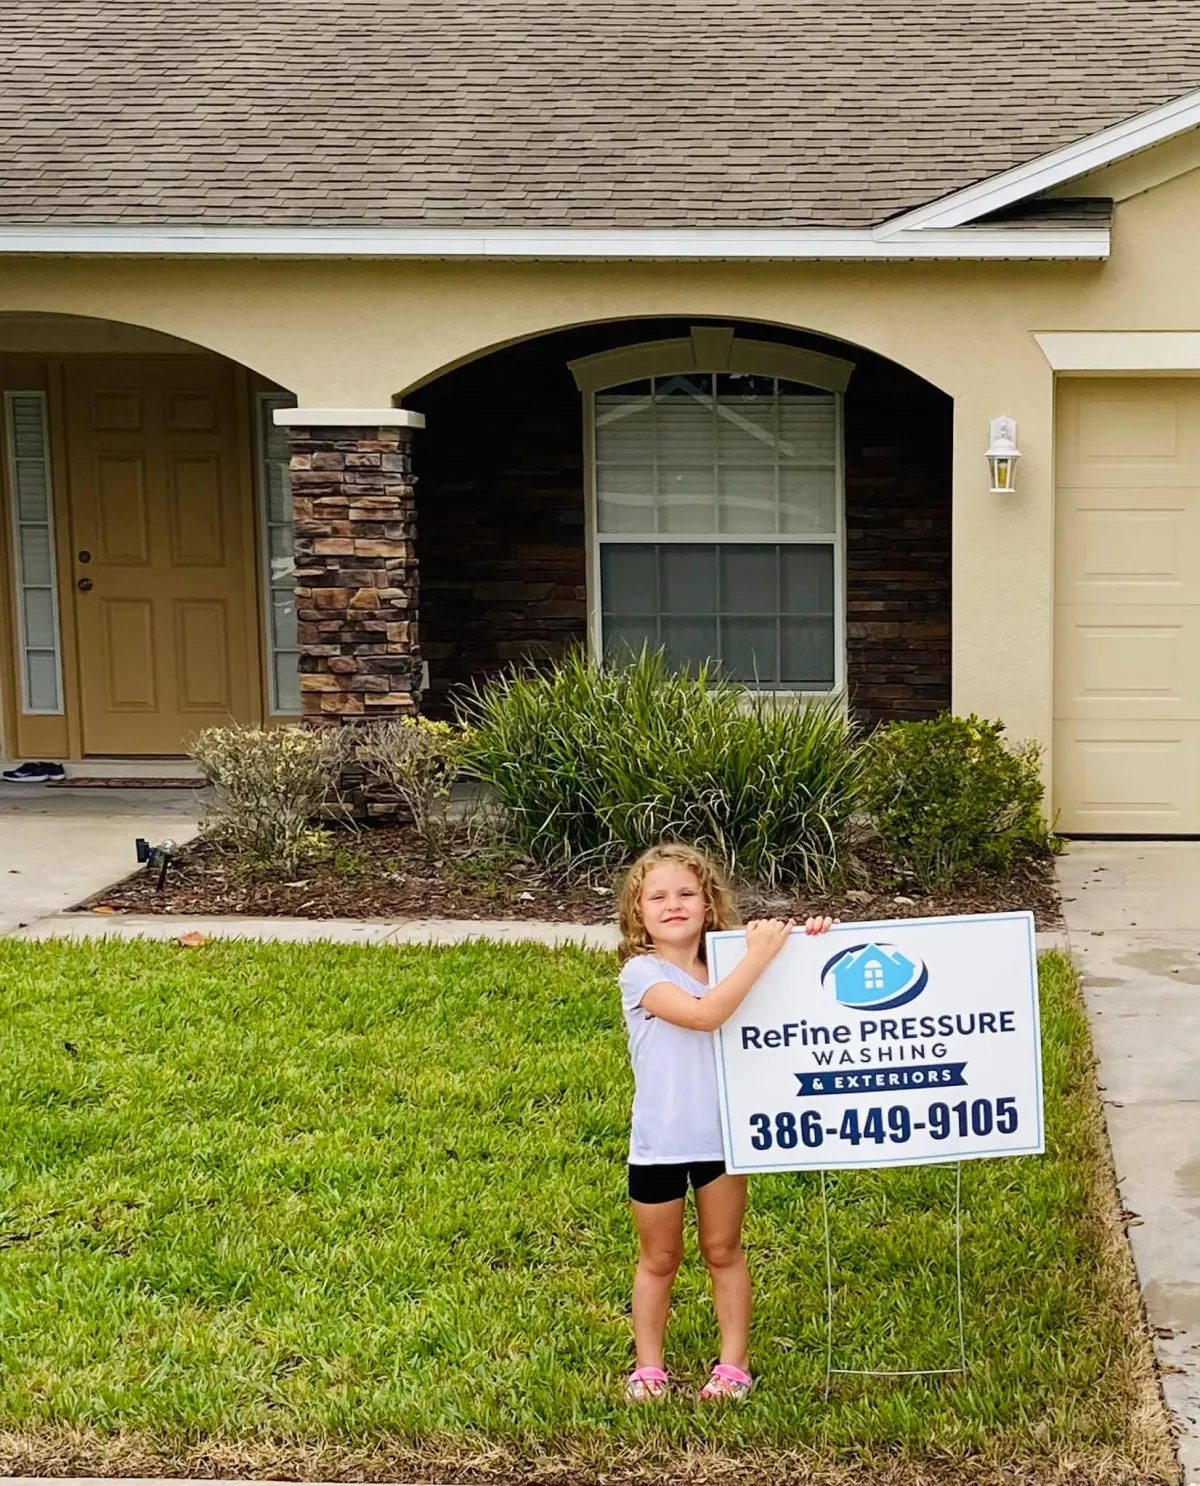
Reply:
x=340, y=1212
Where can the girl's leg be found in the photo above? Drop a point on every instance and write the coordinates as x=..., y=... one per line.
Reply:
x=719, y=1208
x=660, y=1252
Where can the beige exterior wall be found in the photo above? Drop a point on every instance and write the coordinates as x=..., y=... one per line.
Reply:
x=359, y=334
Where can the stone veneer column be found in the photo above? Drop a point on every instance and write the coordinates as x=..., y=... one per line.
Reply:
x=356, y=566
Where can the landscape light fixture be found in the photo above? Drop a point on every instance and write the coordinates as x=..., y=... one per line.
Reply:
x=1002, y=456
x=156, y=856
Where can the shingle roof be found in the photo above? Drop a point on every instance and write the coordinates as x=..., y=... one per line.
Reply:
x=569, y=113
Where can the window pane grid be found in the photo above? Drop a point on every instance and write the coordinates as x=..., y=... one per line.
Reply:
x=717, y=524
x=725, y=455
x=760, y=613
x=27, y=428
x=275, y=514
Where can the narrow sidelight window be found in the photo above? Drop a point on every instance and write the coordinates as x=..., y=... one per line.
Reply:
x=275, y=508
x=27, y=435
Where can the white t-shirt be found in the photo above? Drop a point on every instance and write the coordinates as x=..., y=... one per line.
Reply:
x=676, y=1108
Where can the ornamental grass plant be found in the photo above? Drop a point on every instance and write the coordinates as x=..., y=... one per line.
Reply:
x=595, y=762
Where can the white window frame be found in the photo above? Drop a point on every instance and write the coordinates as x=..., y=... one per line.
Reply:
x=262, y=401
x=716, y=349
x=19, y=585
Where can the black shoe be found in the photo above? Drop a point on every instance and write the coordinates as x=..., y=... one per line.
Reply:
x=30, y=773
x=53, y=770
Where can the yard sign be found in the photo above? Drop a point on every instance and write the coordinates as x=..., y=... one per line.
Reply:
x=884, y=1044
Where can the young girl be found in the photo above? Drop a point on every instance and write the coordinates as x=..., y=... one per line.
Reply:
x=671, y=897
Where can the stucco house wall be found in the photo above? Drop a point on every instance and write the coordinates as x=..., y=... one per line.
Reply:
x=346, y=333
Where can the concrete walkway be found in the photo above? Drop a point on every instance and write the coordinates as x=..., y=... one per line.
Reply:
x=346, y=931
x=331, y=930
x=60, y=845
x=1133, y=920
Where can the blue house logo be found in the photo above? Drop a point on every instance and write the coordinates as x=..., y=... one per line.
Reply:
x=874, y=977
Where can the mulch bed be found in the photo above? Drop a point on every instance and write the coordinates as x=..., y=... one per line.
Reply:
x=383, y=873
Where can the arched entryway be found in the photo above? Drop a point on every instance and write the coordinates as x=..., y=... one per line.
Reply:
x=788, y=510
x=146, y=542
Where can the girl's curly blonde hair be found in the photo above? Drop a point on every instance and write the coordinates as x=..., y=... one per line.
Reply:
x=720, y=911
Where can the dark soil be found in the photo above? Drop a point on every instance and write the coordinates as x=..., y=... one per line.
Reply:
x=384, y=873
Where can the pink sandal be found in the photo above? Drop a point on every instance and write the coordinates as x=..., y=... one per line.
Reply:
x=727, y=1381
x=646, y=1384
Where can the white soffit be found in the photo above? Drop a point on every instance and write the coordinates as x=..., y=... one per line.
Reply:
x=560, y=243
x=1099, y=351
x=1059, y=166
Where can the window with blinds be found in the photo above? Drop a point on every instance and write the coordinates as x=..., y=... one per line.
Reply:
x=717, y=522
x=27, y=437
x=275, y=513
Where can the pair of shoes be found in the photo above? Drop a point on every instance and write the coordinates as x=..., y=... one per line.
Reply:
x=648, y=1384
x=34, y=773
x=727, y=1381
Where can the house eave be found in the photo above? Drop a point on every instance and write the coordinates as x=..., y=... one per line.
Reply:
x=667, y=244
x=1054, y=169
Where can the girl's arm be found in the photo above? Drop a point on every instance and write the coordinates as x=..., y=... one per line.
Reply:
x=765, y=937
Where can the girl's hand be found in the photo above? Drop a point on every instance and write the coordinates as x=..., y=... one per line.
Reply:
x=765, y=937
x=820, y=925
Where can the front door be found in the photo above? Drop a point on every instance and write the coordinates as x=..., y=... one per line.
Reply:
x=163, y=595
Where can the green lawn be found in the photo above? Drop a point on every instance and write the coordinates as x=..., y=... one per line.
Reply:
x=284, y=1210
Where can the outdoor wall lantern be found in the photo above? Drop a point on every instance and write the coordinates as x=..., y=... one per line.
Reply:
x=1002, y=455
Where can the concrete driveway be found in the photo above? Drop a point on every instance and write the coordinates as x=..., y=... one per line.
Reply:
x=1133, y=919
x=59, y=845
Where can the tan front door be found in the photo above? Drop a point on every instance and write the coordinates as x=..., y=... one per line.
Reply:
x=164, y=606
x=1127, y=655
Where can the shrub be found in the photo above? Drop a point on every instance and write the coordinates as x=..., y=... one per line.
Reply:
x=419, y=760
x=950, y=795
x=594, y=763
x=270, y=783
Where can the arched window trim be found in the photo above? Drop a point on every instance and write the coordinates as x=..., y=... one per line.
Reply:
x=718, y=349
x=710, y=348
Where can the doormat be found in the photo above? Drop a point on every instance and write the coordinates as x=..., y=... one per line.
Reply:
x=83, y=782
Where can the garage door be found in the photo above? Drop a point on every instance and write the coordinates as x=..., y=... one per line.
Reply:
x=1127, y=623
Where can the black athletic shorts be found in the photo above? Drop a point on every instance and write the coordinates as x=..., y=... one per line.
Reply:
x=669, y=1183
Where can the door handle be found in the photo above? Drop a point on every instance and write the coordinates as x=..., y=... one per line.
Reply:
x=84, y=585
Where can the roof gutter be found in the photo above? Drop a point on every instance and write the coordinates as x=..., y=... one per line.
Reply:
x=668, y=244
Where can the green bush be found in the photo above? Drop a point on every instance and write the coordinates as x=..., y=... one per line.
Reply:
x=418, y=760
x=950, y=795
x=269, y=784
x=594, y=763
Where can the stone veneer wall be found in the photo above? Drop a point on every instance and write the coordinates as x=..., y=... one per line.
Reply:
x=501, y=523
x=499, y=516
x=899, y=441
x=356, y=573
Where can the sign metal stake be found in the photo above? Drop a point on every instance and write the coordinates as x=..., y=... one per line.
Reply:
x=916, y=1372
